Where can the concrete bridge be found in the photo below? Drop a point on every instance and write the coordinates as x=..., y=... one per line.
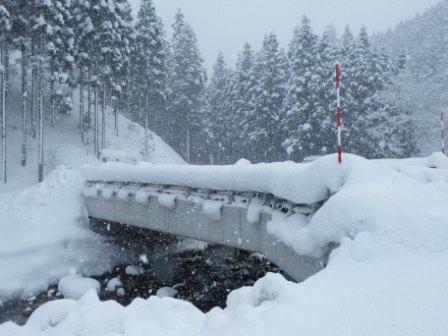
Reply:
x=235, y=219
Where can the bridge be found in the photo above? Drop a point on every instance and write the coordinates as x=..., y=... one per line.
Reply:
x=230, y=206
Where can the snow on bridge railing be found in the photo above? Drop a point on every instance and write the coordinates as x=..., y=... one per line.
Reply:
x=304, y=183
x=211, y=200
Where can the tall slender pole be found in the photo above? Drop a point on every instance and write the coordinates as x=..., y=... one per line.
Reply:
x=338, y=111
x=442, y=125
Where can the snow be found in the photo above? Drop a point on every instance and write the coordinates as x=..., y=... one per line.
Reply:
x=363, y=195
x=166, y=292
x=388, y=275
x=212, y=209
x=75, y=286
x=44, y=237
x=44, y=233
x=167, y=200
x=254, y=210
x=113, y=284
x=134, y=270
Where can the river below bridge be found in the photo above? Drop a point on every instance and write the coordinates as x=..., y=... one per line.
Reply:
x=202, y=276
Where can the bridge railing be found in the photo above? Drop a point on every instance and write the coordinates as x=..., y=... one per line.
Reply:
x=167, y=195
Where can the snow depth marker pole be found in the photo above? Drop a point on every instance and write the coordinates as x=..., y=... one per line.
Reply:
x=442, y=124
x=338, y=110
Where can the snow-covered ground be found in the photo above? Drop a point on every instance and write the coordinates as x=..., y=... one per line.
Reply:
x=43, y=230
x=389, y=275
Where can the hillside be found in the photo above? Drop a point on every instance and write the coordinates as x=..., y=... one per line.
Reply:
x=424, y=41
x=42, y=225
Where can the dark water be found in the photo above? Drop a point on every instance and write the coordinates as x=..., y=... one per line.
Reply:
x=202, y=277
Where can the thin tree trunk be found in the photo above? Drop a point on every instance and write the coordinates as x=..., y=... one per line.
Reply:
x=52, y=103
x=103, y=117
x=3, y=108
x=88, y=122
x=81, y=104
x=40, y=161
x=95, y=120
x=188, y=145
x=146, y=131
x=115, y=117
x=24, y=98
x=33, y=90
x=7, y=66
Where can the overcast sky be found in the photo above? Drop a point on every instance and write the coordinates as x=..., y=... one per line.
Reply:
x=224, y=25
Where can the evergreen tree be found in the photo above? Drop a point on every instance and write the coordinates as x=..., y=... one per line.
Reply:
x=187, y=84
x=265, y=134
x=302, y=103
x=220, y=124
x=149, y=66
x=242, y=101
x=325, y=118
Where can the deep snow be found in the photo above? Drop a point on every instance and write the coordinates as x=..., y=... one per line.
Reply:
x=43, y=230
x=387, y=277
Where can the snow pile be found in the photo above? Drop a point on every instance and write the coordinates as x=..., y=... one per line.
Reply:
x=44, y=237
x=89, y=316
x=75, y=286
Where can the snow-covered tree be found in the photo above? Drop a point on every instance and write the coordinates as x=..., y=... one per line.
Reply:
x=187, y=84
x=265, y=133
x=302, y=103
x=149, y=67
x=219, y=124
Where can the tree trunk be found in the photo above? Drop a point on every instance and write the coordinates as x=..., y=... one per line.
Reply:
x=146, y=131
x=81, y=104
x=33, y=90
x=40, y=159
x=52, y=103
x=95, y=120
x=88, y=122
x=3, y=107
x=103, y=117
x=188, y=145
x=114, y=104
x=24, y=99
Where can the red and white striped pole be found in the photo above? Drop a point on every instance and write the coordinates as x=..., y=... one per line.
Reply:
x=338, y=110
x=442, y=125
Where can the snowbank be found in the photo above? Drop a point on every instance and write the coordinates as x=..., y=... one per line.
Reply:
x=390, y=291
x=44, y=237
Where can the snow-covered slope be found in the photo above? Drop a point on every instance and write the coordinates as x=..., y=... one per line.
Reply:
x=387, y=277
x=43, y=231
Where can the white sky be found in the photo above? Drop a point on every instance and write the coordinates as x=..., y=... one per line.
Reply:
x=224, y=25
